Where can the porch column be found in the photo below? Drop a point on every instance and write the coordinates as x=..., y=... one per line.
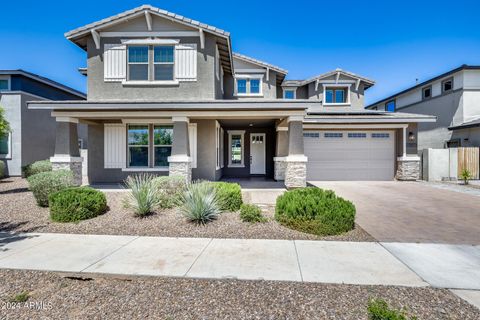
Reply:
x=67, y=154
x=180, y=161
x=408, y=166
x=296, y=168
x=281, y=153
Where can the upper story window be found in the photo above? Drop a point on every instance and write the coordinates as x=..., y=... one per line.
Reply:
x=4, y=83
x=289, y=94
x=336, y=95
x=427, y=92
x=447, y=85
x=155, y=66
x=390, y=106
x=248, y=86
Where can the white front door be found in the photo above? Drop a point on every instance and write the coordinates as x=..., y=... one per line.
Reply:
x=257, y=153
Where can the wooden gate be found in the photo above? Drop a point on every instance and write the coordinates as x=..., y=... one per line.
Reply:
x=468, y=158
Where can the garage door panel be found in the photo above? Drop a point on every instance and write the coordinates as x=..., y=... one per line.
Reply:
x=347, y=158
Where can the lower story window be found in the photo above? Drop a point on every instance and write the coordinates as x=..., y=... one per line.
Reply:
x=162, y=139
x=140, y=143
x=236, y=153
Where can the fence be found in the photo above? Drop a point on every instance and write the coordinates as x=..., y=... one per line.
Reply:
x=447, y=164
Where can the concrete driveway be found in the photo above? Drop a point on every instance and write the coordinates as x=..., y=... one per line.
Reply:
x=394, y=211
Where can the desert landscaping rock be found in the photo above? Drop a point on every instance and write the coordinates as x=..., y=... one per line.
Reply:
x=175, y=298
x=20, y=213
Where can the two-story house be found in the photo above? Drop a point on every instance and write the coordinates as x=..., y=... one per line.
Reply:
x=453, y=97
x=32, y=133
x=166, y=94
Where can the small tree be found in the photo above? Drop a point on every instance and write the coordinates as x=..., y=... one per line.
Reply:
x=465, y=175
x=4, y=125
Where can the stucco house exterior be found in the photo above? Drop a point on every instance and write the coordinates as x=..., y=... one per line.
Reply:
x=453, y=97
x=167, y=95
x=32, y=135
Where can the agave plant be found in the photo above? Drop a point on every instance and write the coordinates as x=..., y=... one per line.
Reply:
x=142, y=197
x=199, y=203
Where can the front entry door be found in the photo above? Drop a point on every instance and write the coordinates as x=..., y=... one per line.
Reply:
x=257, y=153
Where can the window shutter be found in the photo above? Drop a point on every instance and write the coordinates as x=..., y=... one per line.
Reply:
x=115, y=146
x=186, y=62
x=192, y=137
x=115, y=62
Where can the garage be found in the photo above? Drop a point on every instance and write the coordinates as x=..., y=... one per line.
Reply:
x=350, y=155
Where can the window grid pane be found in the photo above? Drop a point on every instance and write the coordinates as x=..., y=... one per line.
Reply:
x=3, y=84
x=163, y=72
x=163, y=54
x=357, y=135
x=242, y=86
x=138, y=142
x=138, y=54
x=311, y=135
x=339, y=96
x=289, y=94
x=329, y=96
x=333, y=135
x=4, y=149
x=254, y=86
x=380, y=135
x=162, y=140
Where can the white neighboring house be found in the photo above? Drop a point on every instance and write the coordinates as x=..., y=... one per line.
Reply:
x=453, y=97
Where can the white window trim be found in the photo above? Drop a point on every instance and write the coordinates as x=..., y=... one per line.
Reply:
x=128, y=148
x=336, y=85
x=217, y=145
x=222, y=160
x=151, y=64
x=248, y=77
x=9, y=142
x=242, y=135
x=9, y=82
x=290, y=89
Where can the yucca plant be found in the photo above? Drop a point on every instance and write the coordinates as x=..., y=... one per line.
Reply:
x=465, y=175
x=199, y=203
x=142, y=198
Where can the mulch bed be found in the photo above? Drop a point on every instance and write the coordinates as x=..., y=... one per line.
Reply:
x=19, y=213
x=53, y=296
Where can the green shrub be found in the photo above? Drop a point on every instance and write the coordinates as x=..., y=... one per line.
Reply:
x=44, y=184
x=2, y=169
x=37, y=167
x=142, y=197
x=199, y=203
x=251, y=213
x=378, y=309
x=169, y=189
x=315, y=211
x=229, y=195
x=465, y=175
x=75, y=204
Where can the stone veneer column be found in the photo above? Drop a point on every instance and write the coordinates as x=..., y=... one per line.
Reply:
x=67, y=154
x=281, y=153
x=296, y=167
x=408, y=168
x=180, y=161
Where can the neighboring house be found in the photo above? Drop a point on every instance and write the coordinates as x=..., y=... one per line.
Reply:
x=166, y=95
x=453, y=97
x=32, y=135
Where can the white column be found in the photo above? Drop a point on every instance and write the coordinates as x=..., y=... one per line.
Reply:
x=404, y=142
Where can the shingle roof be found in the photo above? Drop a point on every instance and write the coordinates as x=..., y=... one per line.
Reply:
x=258, y=62
x=44, y=80
x=161, y=12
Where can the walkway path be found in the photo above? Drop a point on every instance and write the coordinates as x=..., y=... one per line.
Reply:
x=368, y=263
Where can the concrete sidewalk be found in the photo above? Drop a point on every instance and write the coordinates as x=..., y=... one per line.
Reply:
x=365, y=263
x=311, y=261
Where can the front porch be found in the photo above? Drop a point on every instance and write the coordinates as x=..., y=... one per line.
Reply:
x=237, y=140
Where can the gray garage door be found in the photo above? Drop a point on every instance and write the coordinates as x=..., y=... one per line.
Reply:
x=350, y=155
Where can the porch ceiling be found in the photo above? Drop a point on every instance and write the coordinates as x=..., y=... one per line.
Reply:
x=242, y=123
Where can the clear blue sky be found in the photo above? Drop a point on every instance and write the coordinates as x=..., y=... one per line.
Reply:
x=391, y=42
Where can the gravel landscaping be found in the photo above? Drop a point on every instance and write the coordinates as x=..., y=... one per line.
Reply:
x=20, y=213
x=54, y=296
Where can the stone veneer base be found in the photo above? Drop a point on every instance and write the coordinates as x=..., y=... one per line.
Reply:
x=279, y=169
x=296, y=174
x=408, y=170
x=73, y=164
x=183, y=169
